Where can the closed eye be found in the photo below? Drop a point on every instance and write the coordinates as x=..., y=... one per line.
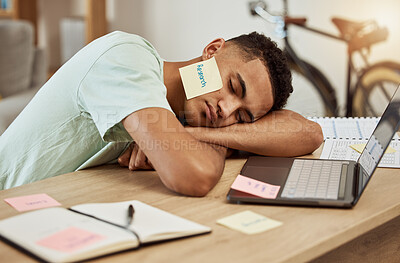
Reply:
x=245, y=117
x=231, y=86
x=240, y=117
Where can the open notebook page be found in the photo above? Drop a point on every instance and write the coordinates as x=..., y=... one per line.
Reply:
x=339, y=149
x=43, y=233
x=347, y=128
x=150, y=223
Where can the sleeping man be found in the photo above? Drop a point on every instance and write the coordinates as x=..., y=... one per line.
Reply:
x=117, y=99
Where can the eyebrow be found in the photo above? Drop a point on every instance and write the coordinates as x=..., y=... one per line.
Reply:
x=242, y=84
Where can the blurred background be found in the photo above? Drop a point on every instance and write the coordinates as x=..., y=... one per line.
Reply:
x=179, y=29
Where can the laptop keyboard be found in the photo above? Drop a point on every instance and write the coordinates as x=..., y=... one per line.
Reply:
x=313, y=179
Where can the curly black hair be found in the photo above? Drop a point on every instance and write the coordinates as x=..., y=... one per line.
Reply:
x=259, y=46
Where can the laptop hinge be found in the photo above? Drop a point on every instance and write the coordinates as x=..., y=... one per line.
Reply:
x=342, y=183
x=356, y=181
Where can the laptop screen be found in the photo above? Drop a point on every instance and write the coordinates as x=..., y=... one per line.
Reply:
x=379, y=140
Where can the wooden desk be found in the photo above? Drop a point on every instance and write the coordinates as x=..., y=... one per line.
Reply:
x=306, y=233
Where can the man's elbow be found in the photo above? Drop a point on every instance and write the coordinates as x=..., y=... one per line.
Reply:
x=316, y=137
x=203, y=178
x=197, y=181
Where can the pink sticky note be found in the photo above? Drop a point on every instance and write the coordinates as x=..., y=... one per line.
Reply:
x=255, y=187
x=70, y=240
x=31, y=202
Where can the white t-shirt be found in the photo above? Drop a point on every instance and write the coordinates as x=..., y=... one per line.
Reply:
x=74, y=121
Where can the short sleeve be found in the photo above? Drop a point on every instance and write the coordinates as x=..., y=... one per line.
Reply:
x=125, y=79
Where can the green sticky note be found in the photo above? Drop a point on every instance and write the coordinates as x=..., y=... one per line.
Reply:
x=249, y=222
x=360, y=147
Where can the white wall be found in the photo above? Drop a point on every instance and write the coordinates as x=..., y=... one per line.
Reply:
x=179, y=29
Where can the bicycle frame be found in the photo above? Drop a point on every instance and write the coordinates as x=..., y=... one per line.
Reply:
x=310, y=76
x=292, y=56
x=281, y=20
x=298, y=61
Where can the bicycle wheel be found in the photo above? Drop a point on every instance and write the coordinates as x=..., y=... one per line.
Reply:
x=320, y=84
x=375, y=88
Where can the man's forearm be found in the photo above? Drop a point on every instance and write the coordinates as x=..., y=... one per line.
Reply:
x=280, y=133
x=184, y=164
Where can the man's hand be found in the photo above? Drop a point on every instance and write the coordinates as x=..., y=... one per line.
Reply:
x=135, y=159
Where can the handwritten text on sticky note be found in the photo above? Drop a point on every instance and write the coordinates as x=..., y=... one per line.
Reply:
x=70, y=240
x=249, y=222
x=31, y=202
x=255, y=187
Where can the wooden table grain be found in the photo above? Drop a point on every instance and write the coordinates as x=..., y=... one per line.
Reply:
x=306, y=233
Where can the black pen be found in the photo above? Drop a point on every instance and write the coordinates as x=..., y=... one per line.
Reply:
x=131, y=212
x=129, y=219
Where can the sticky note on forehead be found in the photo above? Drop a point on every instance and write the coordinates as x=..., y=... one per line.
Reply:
x=201, y=78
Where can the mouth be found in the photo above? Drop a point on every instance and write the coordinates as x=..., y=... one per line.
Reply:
x=210, y=113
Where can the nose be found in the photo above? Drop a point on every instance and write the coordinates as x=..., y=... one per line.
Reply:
x=227, y=106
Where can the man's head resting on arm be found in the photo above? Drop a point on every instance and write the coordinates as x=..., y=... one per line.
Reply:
x=256, y=80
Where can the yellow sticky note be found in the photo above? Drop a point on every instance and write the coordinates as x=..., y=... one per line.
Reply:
x=249, y=222
x=360, y=147
x=201, y=78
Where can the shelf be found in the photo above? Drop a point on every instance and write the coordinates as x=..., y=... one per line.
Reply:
x=94, y=13
x=6, y=13
x=96, y=22
x=24, y=10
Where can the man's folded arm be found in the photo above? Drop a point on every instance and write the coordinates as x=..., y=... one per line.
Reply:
x=279, y=133
x=184, y=164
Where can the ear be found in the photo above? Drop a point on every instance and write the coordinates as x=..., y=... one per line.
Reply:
x=210, y=50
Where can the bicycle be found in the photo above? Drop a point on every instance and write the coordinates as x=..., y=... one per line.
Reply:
x=374, y=84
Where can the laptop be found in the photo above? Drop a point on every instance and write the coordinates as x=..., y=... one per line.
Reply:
x=316, y=182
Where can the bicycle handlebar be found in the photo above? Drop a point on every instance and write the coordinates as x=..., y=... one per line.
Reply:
x=260, y=9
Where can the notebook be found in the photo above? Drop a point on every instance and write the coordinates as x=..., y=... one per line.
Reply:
x=350, y=128
x=343, y=135
x=345, y=149
x=316, y=182
x=90, y=230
